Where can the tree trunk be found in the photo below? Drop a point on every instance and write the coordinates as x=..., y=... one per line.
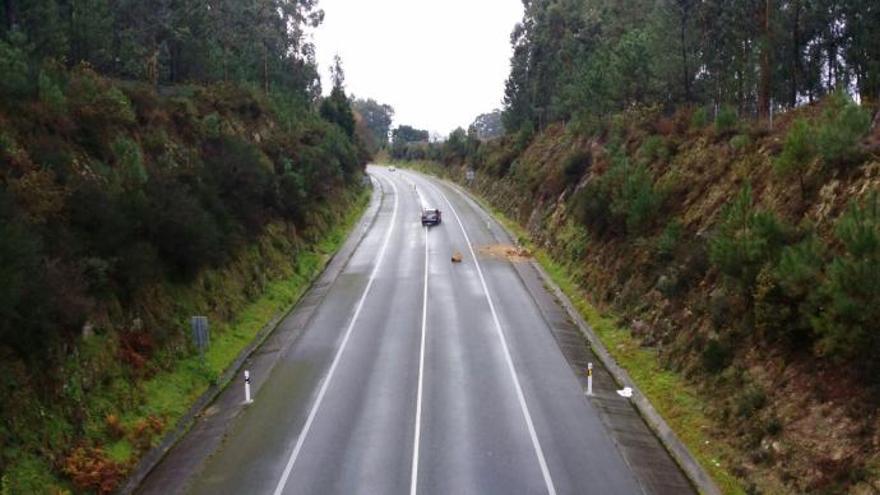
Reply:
x=832, y=61
x=766, y=68
x=9, y=13
x=686, y=80
x=151, y=67
x=266, y=69
x=174, y=62
x=225, y=65
x=795, y=54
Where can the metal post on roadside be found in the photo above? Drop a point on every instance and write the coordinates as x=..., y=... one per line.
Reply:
x=247, y=387
x=771, y=113
x=201, y=334
x=589, y=378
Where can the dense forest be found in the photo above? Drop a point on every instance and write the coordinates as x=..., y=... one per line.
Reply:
x=192, y=41
x=157, y=160
x=707, y=172
x=584, y=59
x=93, y=146
x=727, y=63
x=373, y=123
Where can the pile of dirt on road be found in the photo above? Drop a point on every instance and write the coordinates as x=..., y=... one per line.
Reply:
x=514, y=254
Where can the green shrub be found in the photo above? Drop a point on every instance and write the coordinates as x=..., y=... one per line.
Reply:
x=774, y=313
x=244, y=100
x=524, y=136
x=97, y=273
x=668, y=240
x=52, y=152
x=638, y=201
x=212, y=125
x=573, y=240
x=623, y=199
x=7, y=143
x=243, y=177
x=145, y=101
x=101, y=220
x=137, y=264
x=337, y=109
x=716, y=356
x=28, y=474
x=337, y=149
x=726, y=120
x=96, y=102
x=184, y=113
x=288, y=109
x=745, y=240
x=50, y=93
x=800, y=266
x=670, y=283
x=750, y=401
x=591, y=205
x=293, y=195
x=786, y=294
x=740, y=142
x=21, y=287
x=654, y=148
x=116, y=107
x=498, y=164
x=700, y=118
x=850, y=294
x=185, y=234
x=15, y=79
x=129, y=161
x=720, y=307
x=797, y=152
x=844, y=123
x=774, y=426
x=576, y=164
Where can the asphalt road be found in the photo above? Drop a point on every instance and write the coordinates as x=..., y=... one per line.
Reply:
x=418, y=375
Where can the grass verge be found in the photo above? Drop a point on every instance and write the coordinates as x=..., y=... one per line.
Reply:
x=677, y=401
x=169, y=395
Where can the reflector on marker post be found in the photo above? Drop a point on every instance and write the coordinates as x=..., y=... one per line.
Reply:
x=589, y=378
x=247, y=387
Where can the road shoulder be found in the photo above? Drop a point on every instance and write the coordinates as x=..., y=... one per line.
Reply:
x=168, y=467
x=627, y=424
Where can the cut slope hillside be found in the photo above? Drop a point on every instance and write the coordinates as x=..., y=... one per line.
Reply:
x=748, y=258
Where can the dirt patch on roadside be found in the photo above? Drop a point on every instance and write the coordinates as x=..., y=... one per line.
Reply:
x=513, y=254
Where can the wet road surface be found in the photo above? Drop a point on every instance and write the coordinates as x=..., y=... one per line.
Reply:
x=419, y=375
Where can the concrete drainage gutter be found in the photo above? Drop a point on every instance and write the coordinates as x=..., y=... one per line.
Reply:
x=692, y=469
x=155, y=455
x=682, y=456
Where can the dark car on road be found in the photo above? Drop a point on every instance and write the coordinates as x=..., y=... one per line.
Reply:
x=430, y=216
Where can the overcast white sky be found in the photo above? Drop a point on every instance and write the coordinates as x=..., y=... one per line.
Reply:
x=438, y=63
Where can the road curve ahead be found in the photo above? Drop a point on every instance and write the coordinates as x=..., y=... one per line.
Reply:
x=422, y=376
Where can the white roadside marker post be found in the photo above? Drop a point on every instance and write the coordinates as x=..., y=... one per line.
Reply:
x=247, y=387
x=589, y=378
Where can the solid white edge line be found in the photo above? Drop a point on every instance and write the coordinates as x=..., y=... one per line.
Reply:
x=414, y=477
x=421, y=199
x=282, y=482
x=545, y=470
